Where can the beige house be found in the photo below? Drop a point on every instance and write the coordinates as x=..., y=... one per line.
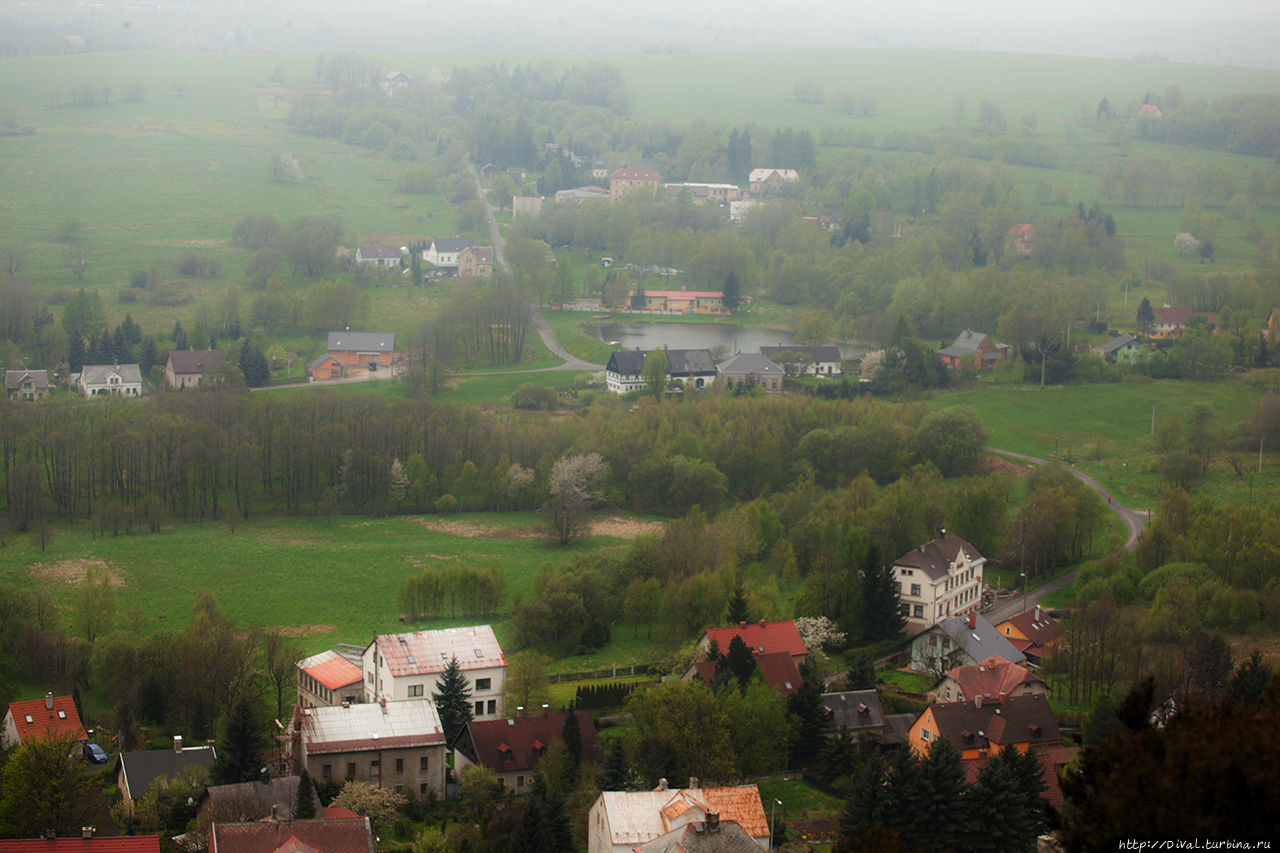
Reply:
x=409, y=666
x=26, y=384
x=396, y=745
x=938, y=580
x=475, y=262
x=329, y=678
x=183, y=368
x=115, y=380
x=772, y=180
x=628, y=180
x=751, y=370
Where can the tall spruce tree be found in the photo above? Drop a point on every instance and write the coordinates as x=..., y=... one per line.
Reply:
x=453, y=702
x=739, y=661
x=571, y=734
x=881, y=615
x=941, y=813
x=240, y=753
x=737, y=611
x=304, y=807
x=613, y=776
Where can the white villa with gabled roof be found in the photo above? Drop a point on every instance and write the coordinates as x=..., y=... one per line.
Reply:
x=409, y=666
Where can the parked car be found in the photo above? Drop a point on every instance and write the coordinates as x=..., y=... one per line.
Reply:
x=93, y=753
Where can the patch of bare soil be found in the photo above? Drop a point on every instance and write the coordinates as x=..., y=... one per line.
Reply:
x=473, y=530
x=73, y=571
x=1001, y=465
x=625, y=528
x=306, y=630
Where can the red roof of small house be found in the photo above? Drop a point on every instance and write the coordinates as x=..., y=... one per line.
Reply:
x=683, y=294
x=1035, y=624
x=519, y=744
x=992, y=678
x=76, y=844
x=53, y=715
x=1052, y=792
x=1149, y=110
x=335, y=812
x=1180, y=316
x=331, y=669
x=322, y=835
x=627, y=173
x=778, y=669
x=761, y=637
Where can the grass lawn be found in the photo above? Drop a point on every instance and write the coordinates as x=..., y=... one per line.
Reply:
x=1105, y=430
x=325, y=583
x=911, y=682
x=810, y=816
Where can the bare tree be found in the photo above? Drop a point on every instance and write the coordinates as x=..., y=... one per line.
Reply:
x=77, y=258
x=15, y=257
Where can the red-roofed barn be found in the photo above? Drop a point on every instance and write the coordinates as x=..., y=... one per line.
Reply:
x=52, y=715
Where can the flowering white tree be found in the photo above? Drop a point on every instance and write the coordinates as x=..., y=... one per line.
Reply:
x=576, y=485
x=1186, y=244
x=818, y=632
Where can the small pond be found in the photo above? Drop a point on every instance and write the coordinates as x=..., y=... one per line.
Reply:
x=735, y=339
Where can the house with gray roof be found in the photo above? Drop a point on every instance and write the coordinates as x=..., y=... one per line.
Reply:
x=184, y=367
x=26, y=384
x=960, y=641
x=277, y=797
x=114, y=380
x=443, y=251
x=625, y=371
x=805, y=361
x=357, y=351
x=137, y=771
x=692, y=368
x=750, y=370
x=937, y=580
x=856, y=711
x=974, y=350
x=1126, y=349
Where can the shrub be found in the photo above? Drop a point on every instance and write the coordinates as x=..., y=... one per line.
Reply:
x=534, y=397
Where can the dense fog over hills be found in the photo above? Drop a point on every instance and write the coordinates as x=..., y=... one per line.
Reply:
x=1239, y=32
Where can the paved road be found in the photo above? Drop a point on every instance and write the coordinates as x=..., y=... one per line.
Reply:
x=1134, y=522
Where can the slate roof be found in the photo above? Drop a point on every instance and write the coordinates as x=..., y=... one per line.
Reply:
x=362, y=342
x=969, y=340
x=1117, y=343
x=281, y=792
x=636, y=817
x=854, y=709
x=897, y=729
x=818, y=353
x=426, y=652
x=394, y=725
x=381, y=253
x=190, y=361
x=340, y=835
x=503, y=745
x=141, y=768
x=450, y=245
x=688, y=362
x=702, y=837
x=761, y=637
x=61, y=719
x=96, y=374
x=747, y=363
x=992, y=724
x=991, y=678
x=979, y=642
x=935, y=557
x=114, y=844
x=331, y=669
x=758, y=175
x=13, y=378
x=625, y=362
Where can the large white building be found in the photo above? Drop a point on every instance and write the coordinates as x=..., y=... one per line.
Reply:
x=938, y=580
x=408, y=666
x=623, y=821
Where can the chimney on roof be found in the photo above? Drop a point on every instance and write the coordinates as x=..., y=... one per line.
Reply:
x=762, y=623
x=1037, y=616
x=713, y=821
x=382, y=700
x=545, y=709
x=51, y=833
x=86, y=832
x=662, y=784
x=973, y=619
x=693, y=781
x=519, y=711
x=177, y=743
x=1003, y=695
x=48, y=701
x=977, y=700
x=742, y=624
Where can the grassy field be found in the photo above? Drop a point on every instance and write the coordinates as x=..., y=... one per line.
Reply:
x=325, y=583
x=1105, y=430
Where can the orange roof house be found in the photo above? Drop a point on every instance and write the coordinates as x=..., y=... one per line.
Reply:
x=329, y=678
x=1021, y=238
x=40, y=718
x=761, y=637
x=620, y=821
x=86, y=842
x=629, y=180
x=1031, y=632
x=978, y=727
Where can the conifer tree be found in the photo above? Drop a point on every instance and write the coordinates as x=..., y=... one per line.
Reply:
x=737, y=611
x=453, y=702
x=304, y=808
x=613, y=777
x=240, y=754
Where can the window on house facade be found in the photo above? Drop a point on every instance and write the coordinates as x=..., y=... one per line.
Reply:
x=399, y=789
x=918, y=611
x=479, y=708
x=422, y=789
x=326, y=771
x=483, y=683
x=422, y=762
x=415, y=691
x=351, y=770
x=519, y=781
x=915, y=590
x=399, y=765
x=493, y=706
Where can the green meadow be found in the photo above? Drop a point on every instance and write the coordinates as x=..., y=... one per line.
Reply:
x=322, y=582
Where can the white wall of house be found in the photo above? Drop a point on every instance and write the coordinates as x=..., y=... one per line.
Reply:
x=487, y=685
x=926, y=602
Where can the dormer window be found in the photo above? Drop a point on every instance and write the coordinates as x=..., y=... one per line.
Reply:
x=62, y=715
x=30, y=719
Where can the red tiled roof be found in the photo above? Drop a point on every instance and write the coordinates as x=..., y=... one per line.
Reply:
x=33, y=719
x=628, y=173
x=1052, y=792
x=1036, y=624
x=503, y=745
x=1180, y=316
x=341, y=835
x=334, y=673
x=115, y=844
x=780, y=671
x=761, y=637
x=994, y=677
x=334, y=812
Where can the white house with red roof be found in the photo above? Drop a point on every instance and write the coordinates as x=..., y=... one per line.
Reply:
x=761, y=637
x=40, y=718
x=409, y=666
x=938, y=580
x=398, y=745
x=329, y=678
x=621, y=821
x=767, y=180
x=1170, y=321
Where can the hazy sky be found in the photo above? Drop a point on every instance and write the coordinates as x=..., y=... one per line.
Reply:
x=1227, y=32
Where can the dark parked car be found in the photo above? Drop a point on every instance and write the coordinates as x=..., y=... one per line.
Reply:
x=94, y=754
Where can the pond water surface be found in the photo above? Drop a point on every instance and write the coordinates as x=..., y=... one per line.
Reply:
x=735, y=339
